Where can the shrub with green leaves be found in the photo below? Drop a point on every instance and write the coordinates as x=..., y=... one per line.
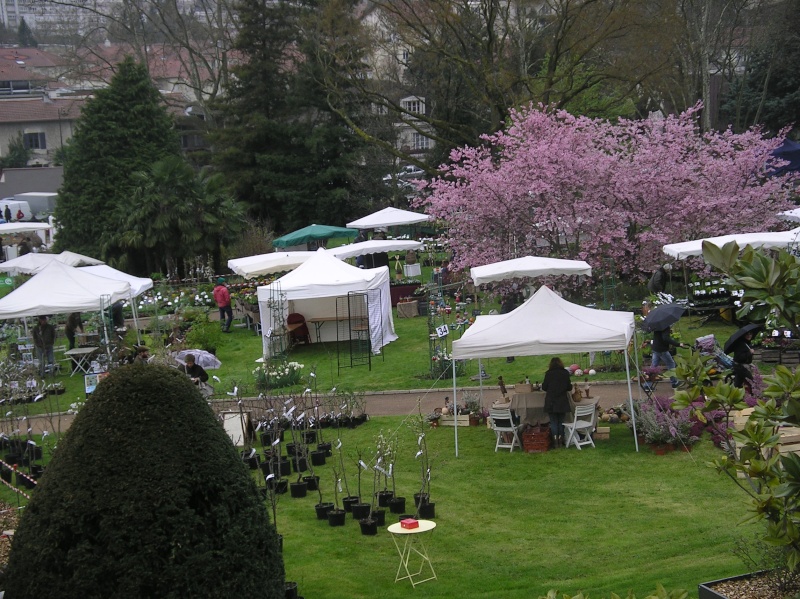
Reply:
x=146, y=496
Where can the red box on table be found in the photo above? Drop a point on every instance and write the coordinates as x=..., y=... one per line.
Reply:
x=409, y=523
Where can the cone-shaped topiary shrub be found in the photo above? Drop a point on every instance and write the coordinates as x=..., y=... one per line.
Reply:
x=145, y=497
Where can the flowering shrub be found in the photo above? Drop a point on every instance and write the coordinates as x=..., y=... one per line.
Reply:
x=659, y=423
x=277, y=375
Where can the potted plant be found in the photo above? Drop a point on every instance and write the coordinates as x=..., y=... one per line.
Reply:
x=473, y=407
x=385, y=457
x=336, y=516
x=422, y=499
x=360, y=509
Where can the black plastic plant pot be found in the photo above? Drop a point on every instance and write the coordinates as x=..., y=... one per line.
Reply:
x=286, y=468
x=420, y=498
x=312, y=482
x=309, y=437
x=290, y=590
x=298, y=489
x=427, y=510
x=337, y=517
x=379, y=516
x=397, y=505
x=326, y=447
x=402, y=517
x=322, y=510
x=369, y=527
x=384, y=497
x=347, y=502
x=280, y=485
x=300, y=464
x=291, y=449
x=361, y=510
x=318, y=458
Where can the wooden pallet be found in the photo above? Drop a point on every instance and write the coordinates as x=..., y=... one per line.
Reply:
x=451, y=420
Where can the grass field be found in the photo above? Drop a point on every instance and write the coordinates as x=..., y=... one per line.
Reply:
x=516, y=525
x=508, y=524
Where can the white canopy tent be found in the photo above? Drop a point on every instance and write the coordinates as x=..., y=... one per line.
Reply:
x=528, y=266
x=389, y=217
x=312, y=289
x=138, y=284
x=768, y=240
x=40, y=229
x=546, y=324
x=374, y=246
x=264, y=264
x=34, y=262
x=790, y=215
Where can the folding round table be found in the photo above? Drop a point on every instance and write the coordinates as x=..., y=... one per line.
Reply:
x=412, y=544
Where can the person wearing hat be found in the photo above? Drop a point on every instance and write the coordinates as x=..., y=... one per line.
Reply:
x=142, y=355
x=223, y=298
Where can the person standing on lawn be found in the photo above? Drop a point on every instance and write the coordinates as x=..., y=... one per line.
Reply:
x=44, y=338
x=223, y=298
x=557, y=385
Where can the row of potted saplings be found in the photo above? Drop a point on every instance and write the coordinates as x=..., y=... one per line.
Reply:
x=298, y=458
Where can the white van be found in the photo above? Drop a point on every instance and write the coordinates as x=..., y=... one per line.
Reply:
x=15, y=206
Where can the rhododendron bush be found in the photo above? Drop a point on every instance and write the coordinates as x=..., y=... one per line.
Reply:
x=573, y=187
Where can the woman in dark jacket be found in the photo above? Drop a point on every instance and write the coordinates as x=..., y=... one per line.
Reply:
x=557, y=384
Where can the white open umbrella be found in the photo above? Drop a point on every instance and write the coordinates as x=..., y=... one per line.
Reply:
x=201, y=357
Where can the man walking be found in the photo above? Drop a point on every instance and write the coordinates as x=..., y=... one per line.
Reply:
x=223, y=298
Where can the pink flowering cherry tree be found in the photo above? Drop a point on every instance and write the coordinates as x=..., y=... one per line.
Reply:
x=558, y=185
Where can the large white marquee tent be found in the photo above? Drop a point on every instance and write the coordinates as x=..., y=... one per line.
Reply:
x=59, y=289
x=546, y=325
x=312, y=288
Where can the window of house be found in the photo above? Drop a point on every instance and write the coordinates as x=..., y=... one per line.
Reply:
x=420, y=142
x=34, y=141
x=413, y=105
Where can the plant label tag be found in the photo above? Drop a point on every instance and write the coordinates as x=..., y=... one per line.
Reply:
x=443, y=330
x=268, y=334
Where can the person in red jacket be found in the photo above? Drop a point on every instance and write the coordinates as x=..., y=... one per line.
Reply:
x=223, y=298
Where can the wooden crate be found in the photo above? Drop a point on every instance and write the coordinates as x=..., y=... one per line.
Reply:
x=771, y=356
x=790, y=439
x=602, y=433
x=740, y=418
x=790, y=358
x=451, y=420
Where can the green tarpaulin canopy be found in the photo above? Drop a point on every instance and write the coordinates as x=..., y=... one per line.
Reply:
x=313, y=233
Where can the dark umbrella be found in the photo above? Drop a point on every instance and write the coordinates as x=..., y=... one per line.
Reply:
x=748, y=328
x=662, y=317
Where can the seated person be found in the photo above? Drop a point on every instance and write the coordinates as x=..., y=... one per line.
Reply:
x=142, y=355
x=196, y=372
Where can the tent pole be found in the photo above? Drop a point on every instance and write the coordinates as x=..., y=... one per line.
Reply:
x=136, y=320
x=630, y=391
x=480, y=379
x=455, y=403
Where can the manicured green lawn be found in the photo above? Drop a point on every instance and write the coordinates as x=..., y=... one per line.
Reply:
x=515, y=525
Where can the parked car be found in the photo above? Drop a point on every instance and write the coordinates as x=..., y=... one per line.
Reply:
x=407, y=173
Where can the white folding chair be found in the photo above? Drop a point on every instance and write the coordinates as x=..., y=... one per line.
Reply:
x=579, y=431
x=504, y=428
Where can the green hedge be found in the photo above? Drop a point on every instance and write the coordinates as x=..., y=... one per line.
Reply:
x=146, y=496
